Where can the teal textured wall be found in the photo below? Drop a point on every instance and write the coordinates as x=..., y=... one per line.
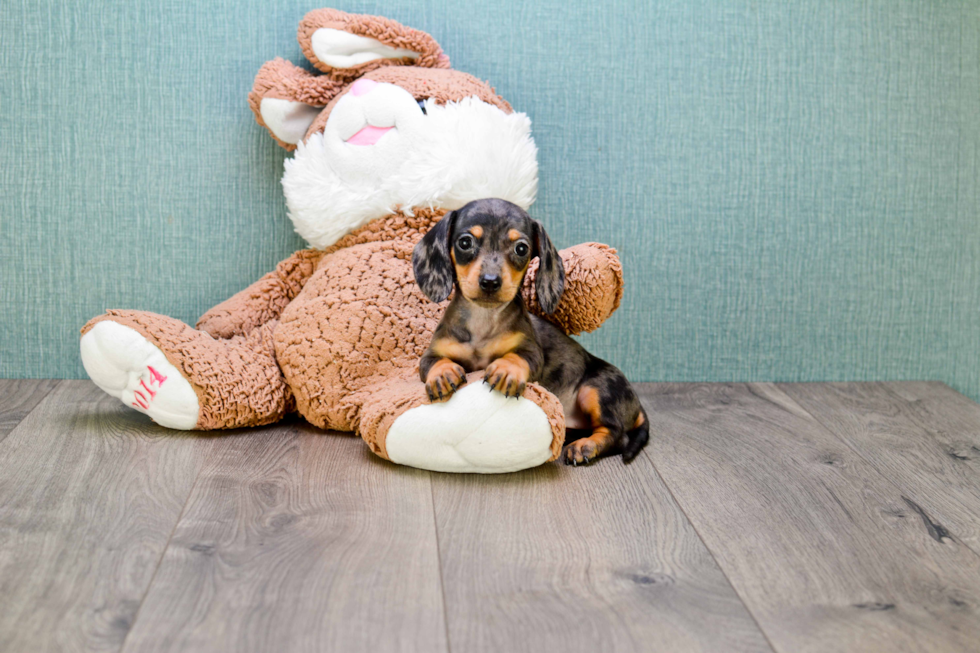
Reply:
x=793, y=186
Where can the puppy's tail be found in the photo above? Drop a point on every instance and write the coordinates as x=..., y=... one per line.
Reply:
x=637, y=438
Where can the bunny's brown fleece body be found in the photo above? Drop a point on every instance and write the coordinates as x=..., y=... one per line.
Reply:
x=483, y=250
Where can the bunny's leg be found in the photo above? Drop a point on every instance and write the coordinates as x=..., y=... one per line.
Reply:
x=183, y=378
x=477, y=430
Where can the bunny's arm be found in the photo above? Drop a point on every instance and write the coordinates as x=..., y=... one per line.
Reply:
x=593, y=288
x=264, y=300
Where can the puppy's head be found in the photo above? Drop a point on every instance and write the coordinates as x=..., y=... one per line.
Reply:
x=485, y=247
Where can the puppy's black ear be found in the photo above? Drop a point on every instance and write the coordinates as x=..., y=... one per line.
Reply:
x=549, y=284
x=430, y=259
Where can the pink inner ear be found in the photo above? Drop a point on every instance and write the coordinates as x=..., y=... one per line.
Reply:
x=363, y=86
x=368, y=135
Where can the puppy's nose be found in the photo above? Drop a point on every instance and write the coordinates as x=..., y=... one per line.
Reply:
x=490, y=283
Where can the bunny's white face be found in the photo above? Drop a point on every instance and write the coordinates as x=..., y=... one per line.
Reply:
x=381, y=150
x=371, y=130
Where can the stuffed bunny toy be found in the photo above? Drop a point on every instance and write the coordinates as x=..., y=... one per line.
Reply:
x=387, y=140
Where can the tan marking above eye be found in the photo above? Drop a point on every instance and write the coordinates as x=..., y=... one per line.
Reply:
x=477, y=231
x=514, y=234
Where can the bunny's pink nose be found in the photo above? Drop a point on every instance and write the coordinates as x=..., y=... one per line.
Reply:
x=363, y=86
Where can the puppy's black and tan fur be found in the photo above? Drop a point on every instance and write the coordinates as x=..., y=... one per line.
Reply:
x=483, y=249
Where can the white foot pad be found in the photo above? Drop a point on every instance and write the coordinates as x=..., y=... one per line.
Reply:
x=478, y=430
x=127, y=366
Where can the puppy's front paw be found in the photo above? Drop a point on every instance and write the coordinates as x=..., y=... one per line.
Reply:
x=444, y=379
x=507, y=375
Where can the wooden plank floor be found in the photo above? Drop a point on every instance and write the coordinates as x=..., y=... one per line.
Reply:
x=813, y=517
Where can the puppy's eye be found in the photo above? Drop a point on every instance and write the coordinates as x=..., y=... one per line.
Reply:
x=465, y=243
x=422, y=106
x=521, y=249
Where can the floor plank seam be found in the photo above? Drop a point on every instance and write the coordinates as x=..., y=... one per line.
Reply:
x=163, y=553
x=4, y=436
x=442, y=585
x=707, y=548
x=904, y=493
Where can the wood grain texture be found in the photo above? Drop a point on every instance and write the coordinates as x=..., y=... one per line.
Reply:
x=18, y=397
x=923, y=436
x=580, y=559
x=298, y=540
x=90, y=492
x=824, y=550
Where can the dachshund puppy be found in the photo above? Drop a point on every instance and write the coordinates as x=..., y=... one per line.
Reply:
x=483, y=250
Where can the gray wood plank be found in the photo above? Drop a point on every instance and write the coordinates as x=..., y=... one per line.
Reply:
x=90, y=491
x=823, y=549
x=590, y=559
x=18, y=397
x=298, y=540
x=923, y=436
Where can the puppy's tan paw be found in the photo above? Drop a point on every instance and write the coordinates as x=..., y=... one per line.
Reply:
x=508, y=375
x=444, y=379
x=581, y=452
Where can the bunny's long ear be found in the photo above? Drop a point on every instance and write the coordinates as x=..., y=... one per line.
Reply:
x=431, y=261
x=286, y=99
x=549, y=284
x=350, y=45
